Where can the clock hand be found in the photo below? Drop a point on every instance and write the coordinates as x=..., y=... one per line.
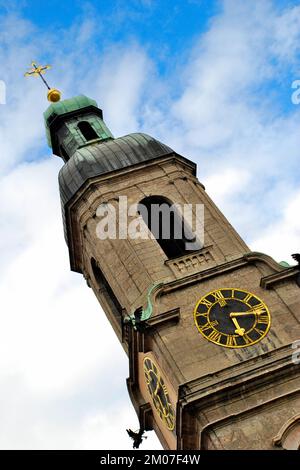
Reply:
x=248, y=312
x=240, y=331
x=157, y=384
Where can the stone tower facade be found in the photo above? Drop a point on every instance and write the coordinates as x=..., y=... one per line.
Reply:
x=210, y=332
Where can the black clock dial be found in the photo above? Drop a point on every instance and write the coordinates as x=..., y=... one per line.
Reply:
x=232, y=317
x=159, y=393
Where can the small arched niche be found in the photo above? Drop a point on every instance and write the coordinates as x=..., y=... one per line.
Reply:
x=288, y=437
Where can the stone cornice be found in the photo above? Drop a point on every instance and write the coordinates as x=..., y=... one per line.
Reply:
x=253, y=410
x=237, y=375
x=248, y=258
x=229, y=386
x=289, y=274
x=171, y=316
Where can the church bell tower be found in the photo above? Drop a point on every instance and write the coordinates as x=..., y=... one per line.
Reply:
x=209, y=331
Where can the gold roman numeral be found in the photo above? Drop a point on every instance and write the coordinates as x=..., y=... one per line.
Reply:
x=205, y=327
x=215, y=336
x=206, y=302
x=209, y=325
x=205, y=315
x=258, y=309
x=247, y=339
x=260, y=332
x=263, y=318
x=247, y=298
x=231, y=341
x=219, y=297
x=169, y=420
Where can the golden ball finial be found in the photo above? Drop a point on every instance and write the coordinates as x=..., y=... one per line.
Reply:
x=53, y=95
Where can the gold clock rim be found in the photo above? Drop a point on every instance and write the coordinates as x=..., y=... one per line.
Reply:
x=225, y=345
x=159, y=378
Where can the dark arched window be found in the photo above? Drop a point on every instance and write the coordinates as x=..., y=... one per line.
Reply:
x=106, y=290
x=165, y=222
x=87, y=131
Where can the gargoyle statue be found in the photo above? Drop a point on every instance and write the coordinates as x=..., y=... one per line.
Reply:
x=296, y=257
x=137, y=437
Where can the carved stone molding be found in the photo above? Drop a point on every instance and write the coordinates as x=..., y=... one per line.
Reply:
x=289, y=274
x=239, y=375
x=171, y=316
x=192, y=262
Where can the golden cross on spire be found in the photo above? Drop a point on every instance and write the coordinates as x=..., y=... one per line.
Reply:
x=53, y=94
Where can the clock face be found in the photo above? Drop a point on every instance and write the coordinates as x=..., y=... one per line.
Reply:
x=159, y=393
x=232, y=318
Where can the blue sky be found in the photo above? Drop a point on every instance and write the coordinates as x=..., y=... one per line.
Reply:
x=175, y=23
x=210, y=79
x=166, y=29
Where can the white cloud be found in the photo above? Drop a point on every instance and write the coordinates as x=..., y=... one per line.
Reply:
x=230, y=117
x=52, y=345
x=120, y=86
x=227, y=183
x=55, y=371
x=282, y=233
